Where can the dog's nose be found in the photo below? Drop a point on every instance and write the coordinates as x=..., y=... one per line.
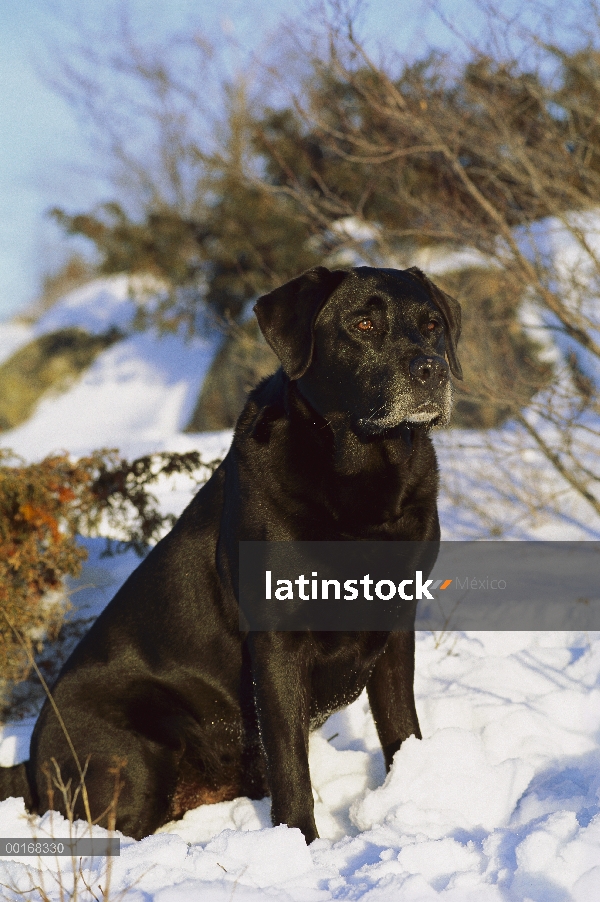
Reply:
x=429, y=370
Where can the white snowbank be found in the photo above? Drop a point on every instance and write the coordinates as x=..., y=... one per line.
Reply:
x=99, y=305
x=499, y=801
x=136, y=396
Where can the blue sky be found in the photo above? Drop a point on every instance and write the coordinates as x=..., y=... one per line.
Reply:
x=44, y=157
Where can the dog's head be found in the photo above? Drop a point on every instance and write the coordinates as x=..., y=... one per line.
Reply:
x=369, y=343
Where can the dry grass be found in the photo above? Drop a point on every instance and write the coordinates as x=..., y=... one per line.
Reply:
x=72, y=883
x=501, y=363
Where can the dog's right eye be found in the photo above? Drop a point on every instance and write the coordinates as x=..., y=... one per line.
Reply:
x=365, y=325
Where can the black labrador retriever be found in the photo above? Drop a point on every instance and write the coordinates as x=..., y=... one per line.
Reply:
x=333, y=446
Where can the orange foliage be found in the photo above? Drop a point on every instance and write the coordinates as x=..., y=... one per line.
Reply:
x=43, y=507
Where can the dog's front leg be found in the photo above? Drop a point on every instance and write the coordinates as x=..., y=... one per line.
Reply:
x=282, y=695
x=391, y=694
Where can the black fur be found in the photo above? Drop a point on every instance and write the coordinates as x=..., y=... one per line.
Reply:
x=335, y=445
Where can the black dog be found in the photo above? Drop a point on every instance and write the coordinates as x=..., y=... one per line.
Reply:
x=333, y=446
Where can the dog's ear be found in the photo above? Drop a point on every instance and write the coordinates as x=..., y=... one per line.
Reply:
x=287, y=315
x=450, y=310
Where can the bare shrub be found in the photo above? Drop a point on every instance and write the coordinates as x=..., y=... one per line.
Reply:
x=43, y=508
x=500, y=158
x=375, y=160
x=69, y=879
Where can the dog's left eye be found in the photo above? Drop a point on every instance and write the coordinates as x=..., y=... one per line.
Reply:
x=432, y=325
x=365, y=325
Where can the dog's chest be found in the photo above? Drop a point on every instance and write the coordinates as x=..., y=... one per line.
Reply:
x=330, y=695
x=371, y=505
x=374, y=483
x=339, y=677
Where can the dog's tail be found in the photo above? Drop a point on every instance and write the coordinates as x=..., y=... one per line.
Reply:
x=14, y=782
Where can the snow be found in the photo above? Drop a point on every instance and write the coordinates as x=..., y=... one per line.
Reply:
x=434, y=260
x=570, y=249
x=500, y=800
x=437, y=261
x=137, y=394
x=100, y=305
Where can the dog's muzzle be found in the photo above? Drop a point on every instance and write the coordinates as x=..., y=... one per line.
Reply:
x=428, y=400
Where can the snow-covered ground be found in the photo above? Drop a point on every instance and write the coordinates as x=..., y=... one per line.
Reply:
x=499, y=801
x=137, y=395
